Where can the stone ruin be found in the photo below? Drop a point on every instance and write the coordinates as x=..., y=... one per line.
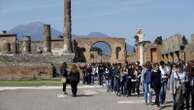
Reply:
x=27, y=59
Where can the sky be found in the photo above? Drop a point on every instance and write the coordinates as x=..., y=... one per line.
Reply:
x=117, y=18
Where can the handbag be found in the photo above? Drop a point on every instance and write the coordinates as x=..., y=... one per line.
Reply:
x=63, y=80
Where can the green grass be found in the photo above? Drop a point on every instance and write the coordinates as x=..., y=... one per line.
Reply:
x=21, y=83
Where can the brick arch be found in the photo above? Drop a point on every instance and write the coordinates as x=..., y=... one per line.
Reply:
x=102, y=42
x=86, y=44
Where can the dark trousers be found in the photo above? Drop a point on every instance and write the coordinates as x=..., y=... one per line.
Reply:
x=192, y=96
x=74, y=87
x=187, y=96
x=101, y=79
x=133, y=86
x=157, y=93
x=64, y=87
x=137, y=86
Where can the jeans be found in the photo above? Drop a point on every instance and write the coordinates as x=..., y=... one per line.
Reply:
x=147, y=95
x=192, y=97
x=92, y=78
x=163, y=92
x=108, y=85
x=174, y=101
x=117, y=85
x=100, y=79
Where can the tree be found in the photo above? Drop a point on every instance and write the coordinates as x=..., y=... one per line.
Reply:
x=97, y=49
x=185, y=41
x=158, y=40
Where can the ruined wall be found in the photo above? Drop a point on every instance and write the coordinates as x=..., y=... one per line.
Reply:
x=25, y=71
x=8, y=38
x=152, y=53
x=83, y=46
x=57, y=46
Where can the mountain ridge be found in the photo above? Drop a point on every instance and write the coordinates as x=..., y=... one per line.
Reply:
x=35, y=30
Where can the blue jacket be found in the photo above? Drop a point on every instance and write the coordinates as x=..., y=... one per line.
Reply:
x=147, y=77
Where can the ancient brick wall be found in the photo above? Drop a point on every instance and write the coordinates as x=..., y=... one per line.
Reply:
x=25, y=71
x=9, y=38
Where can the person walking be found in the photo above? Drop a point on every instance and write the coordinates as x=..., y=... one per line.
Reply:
x=164, y=76
x=178, y=77
x=64, y=73
x=156, y=83
x=74, y=79
x=146, y=83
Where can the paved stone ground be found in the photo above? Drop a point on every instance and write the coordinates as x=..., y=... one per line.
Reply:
x=53, y=99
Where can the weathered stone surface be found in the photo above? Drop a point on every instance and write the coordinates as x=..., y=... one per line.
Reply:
x=26, y=47
x=47, y=38
x=6, y=48
x=67, y=26
x=36, y=58
x=82, y=47
x=10, y=39
x=25, y=71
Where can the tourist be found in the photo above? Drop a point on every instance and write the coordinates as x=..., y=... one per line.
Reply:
x=107, y=76
x=137, y=73
x=64, y=73
x=156, y=83
x=117, y=77
x=100, y=74
x=178, y=77
x=124, y=84
x=93, y=74
x=89, y=74
x=146, y=83
x=128, y=79
x=74, y=79
x=164, y=76
x=190, y=85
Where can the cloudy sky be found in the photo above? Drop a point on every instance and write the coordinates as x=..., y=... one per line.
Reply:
x=118, y=18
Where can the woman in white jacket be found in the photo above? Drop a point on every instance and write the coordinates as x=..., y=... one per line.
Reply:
x=177, y=81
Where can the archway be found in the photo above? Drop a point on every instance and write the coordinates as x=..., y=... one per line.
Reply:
x=100, y=52
x=116, y=46
x=118, y=50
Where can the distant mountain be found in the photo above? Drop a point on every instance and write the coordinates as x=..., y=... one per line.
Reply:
x=97, y=34
x=34, y=29
x=130, y=48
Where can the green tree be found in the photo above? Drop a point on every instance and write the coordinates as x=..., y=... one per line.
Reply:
x=185, y=41
x=158, y=40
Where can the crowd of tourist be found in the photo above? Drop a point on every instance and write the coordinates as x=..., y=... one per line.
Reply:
x=128, y=79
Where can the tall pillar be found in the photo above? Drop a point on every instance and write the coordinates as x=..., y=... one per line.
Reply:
x=140, y=46
x=47, y=38
x=26, y=44
x=67, y=26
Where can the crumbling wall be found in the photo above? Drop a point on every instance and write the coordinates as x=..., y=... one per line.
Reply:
x=25, y=71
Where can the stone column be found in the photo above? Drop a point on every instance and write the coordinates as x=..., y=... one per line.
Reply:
x=26, y=44
x=47, y=38
x=67, y=26
x=6, y=47
x=140, y=39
